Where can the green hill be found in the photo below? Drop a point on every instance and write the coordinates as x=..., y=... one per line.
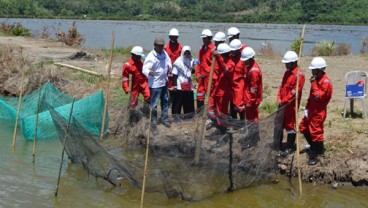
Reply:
x=252, y=11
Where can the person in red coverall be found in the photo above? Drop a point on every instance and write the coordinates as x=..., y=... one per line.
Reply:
x=222, y=88
x=253, y=91
x=203, y=68
x=286, y=97
x=237, y=104
x=173, y=49
x=139, y=82
x=315, y=112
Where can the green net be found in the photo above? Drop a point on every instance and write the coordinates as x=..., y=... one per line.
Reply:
x=88, y=111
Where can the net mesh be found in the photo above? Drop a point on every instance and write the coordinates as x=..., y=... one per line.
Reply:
x=247, y=152
x=90, y=118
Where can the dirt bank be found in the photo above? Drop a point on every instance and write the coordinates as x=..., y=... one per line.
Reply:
x=346, y=158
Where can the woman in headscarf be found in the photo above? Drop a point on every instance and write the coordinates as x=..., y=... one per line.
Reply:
x=182, y=80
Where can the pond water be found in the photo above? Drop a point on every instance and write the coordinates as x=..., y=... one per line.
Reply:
x=24, y=184
x=98, y=33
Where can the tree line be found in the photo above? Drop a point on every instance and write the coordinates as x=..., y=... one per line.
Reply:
x=250, y=11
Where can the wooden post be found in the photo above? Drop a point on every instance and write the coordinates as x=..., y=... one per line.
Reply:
x=296, y=113
x=108, y=88
x=199, y=142
x=18, y=111
x=36, y=127
x=146, y=160
x=64, y=142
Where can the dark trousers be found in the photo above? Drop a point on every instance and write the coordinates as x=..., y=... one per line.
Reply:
x=234, y=114
x=183, y=100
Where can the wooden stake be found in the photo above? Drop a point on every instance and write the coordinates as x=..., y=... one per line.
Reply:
x=79, y=69
x=108, y=88
x=146, y=160
x=64, y=142
x=36, y=127
x=296, y=114
x=18, y=111
x=199, y=142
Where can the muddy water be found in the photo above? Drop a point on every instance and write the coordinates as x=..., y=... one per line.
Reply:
x=128, y=33
x=24, y=184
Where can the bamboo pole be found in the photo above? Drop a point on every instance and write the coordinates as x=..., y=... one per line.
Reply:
x=78, y=68
x=18, y=111
x=64, y=142
x=146, y=161
x=199, y=142
x=108, y=87
x=36, y=127
x=296, y=114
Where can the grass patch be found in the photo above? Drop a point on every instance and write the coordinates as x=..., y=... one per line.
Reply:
x=268, y=107
x=323, y=48
x=15, y=29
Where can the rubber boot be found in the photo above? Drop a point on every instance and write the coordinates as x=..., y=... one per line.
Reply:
x=290, y=145
x=316, y=148
x=200, y=104
x=307, y=148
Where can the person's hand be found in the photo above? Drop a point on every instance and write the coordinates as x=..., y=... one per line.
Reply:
x=306, y=112
x=215, y=53
x=127, y=92
x=152, y=73
x=241, y=108
x=313, y=78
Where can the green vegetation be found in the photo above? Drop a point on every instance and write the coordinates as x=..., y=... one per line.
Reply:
x=252, y=11
x=326, y=48
x=14, y=29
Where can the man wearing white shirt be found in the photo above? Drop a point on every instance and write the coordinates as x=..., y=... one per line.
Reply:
x=155, y=68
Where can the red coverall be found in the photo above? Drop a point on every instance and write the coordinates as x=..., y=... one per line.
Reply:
x=203, y=69
x=253, y=91
x=174, y=51
x=139, y=82
x=238, y=83
x=319, y=96
x=222, y=92
x=286, y=96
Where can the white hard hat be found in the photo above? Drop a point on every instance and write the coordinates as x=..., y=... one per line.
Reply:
x=174, y=32
x=235, y=44
x=206, y=33
x=219, y=36
x=289, y=57
x=318, y=63
x=247, y=53
x=232, y=31
x=223, y=48
x=137, y=50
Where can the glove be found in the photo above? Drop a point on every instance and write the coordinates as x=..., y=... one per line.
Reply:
x=306, y=113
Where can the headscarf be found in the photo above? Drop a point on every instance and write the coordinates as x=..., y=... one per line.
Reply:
x=184, y=64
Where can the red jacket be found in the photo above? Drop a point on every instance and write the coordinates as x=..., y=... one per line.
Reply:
x=205, y=60
x=287, y=90
x=319, y=96
x=223, y=77
x=173, y=50
x=253, y=85
x=138, y=78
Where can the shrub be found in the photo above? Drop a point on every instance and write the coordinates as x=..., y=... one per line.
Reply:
x=323, y=48
x=295, y=45
x=73, y=38
x=268, y=107
x=266, y=50
x=343, y=49
x=364, y=47
x=15, y=29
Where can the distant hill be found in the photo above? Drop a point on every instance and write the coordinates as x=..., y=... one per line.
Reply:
x=251, y=11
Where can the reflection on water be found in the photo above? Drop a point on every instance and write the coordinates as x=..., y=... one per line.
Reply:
x=23, y=184
x=129, y=33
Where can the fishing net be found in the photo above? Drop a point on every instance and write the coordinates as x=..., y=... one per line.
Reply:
x=88, y=111
x=247, y=152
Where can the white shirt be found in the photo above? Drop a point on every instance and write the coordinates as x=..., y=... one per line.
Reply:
x=159, y=64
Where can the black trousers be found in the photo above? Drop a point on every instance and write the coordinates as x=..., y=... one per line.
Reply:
x=183, y=100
